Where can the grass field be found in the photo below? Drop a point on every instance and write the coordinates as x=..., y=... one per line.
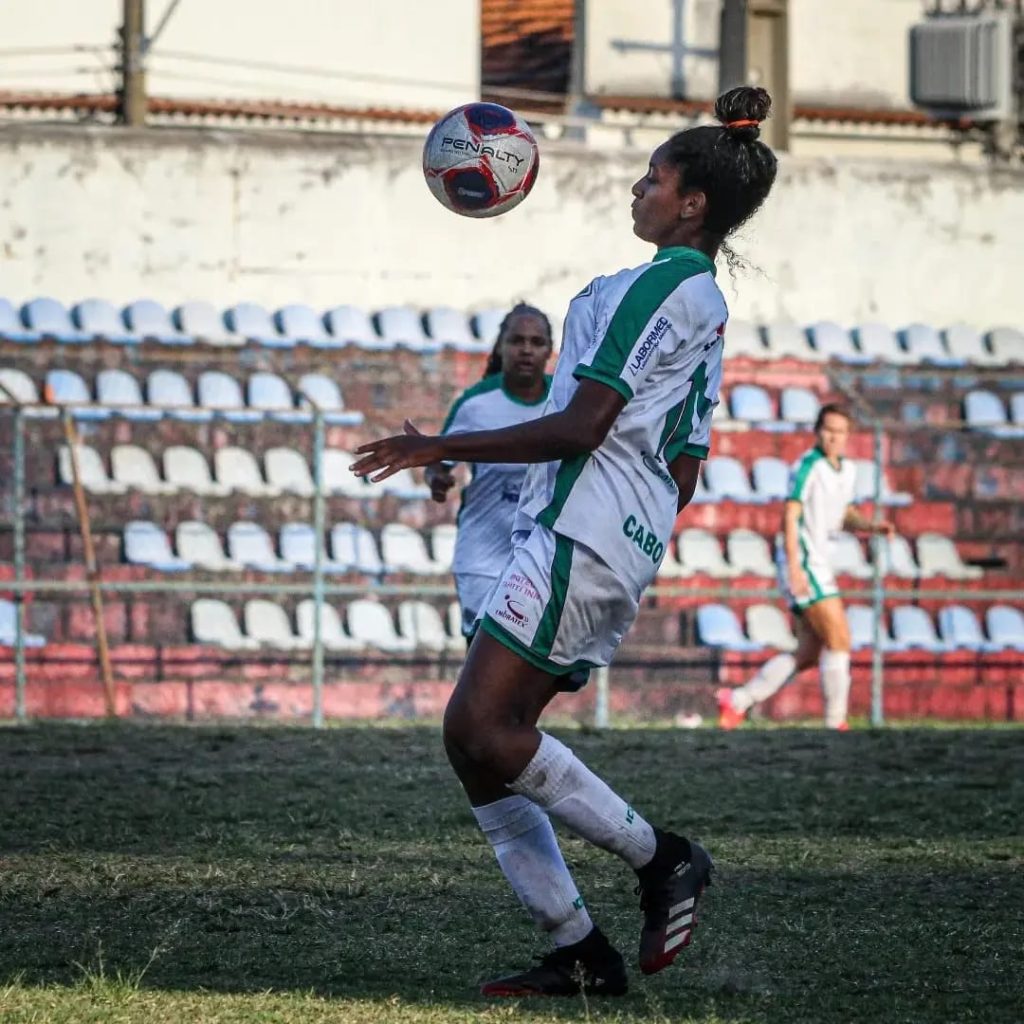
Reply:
x=153, y=873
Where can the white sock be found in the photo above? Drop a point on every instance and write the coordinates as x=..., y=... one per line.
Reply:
x=524, y=843
x=772, y=677
x=835, y=685
x=569, y=791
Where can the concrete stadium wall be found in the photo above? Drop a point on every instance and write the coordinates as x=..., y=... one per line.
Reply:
x=286, y=217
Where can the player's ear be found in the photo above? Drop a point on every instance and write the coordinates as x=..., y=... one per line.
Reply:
x=692, y=203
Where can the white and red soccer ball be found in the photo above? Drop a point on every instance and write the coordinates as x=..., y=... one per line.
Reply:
x=480, y=160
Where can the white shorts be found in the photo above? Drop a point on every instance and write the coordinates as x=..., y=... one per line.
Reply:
x=559, y=605
x=821, y=584
x=473, y=590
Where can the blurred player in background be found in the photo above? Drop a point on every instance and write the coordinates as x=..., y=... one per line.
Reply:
x=513, y=390
x=821, y=492
x=614, y=459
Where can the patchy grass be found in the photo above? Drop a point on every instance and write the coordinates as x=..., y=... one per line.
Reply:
x=152, y=873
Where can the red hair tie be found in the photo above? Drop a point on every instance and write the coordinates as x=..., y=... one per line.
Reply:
x=742, y=124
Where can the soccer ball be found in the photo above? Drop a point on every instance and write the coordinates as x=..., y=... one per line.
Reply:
x=480, y=160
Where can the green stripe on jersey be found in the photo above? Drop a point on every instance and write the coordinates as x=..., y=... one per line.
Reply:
x=807, y=463
x=675, y=435
x=492, y=383
x=565, y=479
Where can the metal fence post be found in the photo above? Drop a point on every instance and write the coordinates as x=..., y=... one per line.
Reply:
x=18, y=482
x=318, y=568
x=601, y=684
x=878, y=597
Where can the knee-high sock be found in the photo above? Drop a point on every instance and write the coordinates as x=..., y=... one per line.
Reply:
x=569, y=791
x=835, y=685
x=524, y=842
x=771, y=677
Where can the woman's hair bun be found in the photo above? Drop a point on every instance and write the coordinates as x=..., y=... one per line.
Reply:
x=746, y=103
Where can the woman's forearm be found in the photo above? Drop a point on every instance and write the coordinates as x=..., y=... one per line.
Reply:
x=545, y=439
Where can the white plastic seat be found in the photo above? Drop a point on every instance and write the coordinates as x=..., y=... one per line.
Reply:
x=354, y=547
x=150, y=321
x=898, y=558
x=752, y=403
x=1007, y=345
x=237, y=469
x=267, y=623
x=254, y=323
x=748, y=552
x=769, y=626
x=325, y=393
x=213, y=622
x=924, y=344
x=48, y=318
x=788, y=340
x=861, y=620
x=864, y=485
x=22, y=389
x=799, y=406
x=352, y=325
x=250, y=544
x=298, y=547
x=199, y=544
x=169, y=391
x=717, y=626
x=1017, y=408
x=421, y=623
x=699, y=551
x=400, y=325
x=186, y=469
x=403, y=550
x=671, y=567
x=771, y=478
x=288, y=471
x=202, y=322
x=372, y=624
x=967, y=345
x=454, y=622
x=727, y=479
x=134, y=467
x=304, y=326
x=984, y=410
x=879, y=342
x=121, y=393
x=486, y=325
x=222, y=393
x=959, y=629
x=67, y=388
x=146, y=543
x=91, y=469
x=847, y=557
x=332, y=632
x=12, y=327
x=937, y=555
x=447, y=326
x=101, y=321
x=272, y=396
x=339, y=479
x=9, y=628
x=832, y=341
x=742, y=338
x=912, y=627
x=402, y=484
x=701, y=494
x=442, y=544
x=1005, y=627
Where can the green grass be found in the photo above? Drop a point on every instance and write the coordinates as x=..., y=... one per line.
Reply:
x=275, y=874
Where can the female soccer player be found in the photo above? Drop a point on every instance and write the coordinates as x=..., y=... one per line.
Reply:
x=513, y=390
x=819, y=504
x=613, y=460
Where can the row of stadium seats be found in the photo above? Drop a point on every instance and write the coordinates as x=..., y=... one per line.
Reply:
x=234, y=470
x=912, y=629
x=984, y=410
x=168, y=393
x=8, y=628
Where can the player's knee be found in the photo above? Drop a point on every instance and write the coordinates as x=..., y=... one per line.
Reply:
x=838, y=639
x=470, y=737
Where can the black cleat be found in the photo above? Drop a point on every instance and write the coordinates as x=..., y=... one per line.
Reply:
x=669, y=889
x=592, y=961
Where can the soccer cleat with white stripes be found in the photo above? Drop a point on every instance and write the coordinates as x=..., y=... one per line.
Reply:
x=669, y=889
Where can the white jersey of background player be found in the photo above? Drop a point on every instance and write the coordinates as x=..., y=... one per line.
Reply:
x=818, y=506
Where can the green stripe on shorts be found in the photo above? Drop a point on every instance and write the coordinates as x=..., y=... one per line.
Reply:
x=561, y=566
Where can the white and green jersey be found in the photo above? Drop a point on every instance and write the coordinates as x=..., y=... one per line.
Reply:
x=653, y=333
x=824, y=492
x=483, y=543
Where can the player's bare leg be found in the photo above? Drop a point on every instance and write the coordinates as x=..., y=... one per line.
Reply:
x=828, y=620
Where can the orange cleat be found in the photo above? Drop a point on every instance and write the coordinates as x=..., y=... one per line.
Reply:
x=728, y=716
x=843, y=727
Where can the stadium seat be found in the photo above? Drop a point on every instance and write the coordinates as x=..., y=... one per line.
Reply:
x=1007, y=344
x=201, y=322
x=11, y=326
x=864, y=486
x=146, y=543
x=254, y=323
x=91, y=469
x=304, y=326
x=879, y=342
x=199, y=544
x=742, y=338
x=238, y=470
x=213, y=622
x=701, y=495
x=486, y=324
x=984, y=410
x=727, y=480
x=671, y=567
x=66, y=388
x=442, y=544
x=351, y=325
x=912, y=628
x=9, y=628
x=700, y=552
x=402, y=484
x=848, y=557
x=449, y=327
x=830, y=341
x=799, y=406
x=288, y=471
x=267, y=623
x=298, y=546
x=898, y=558
x=861, y=619
x=454, y=621
x=960, y=630
x=717, y=626
x=101, y=321
x=325, y=393
x=134, y=467
x=169, y=391
x=49, y=319
x=771, y=478
x=186, y=469
x=967, y=345
x=400, y=325
x=119, y=391
x=924, y=344
x=339, y=479
x=1005, y=627
x=372, y=624
x=332, y=632
x=937, y=555
x=151, y=322
x=421, y=623
x=751, y=403
x=748, y=553
x=222, y=393
x=1017, y=408
x=18, y=385
x=769, y=626
x=354, y=547
x=250, y=544
x=272, y=396
x=403, y=550
x=788, y=340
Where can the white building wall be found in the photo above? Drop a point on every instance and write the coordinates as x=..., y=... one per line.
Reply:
x=321, y=219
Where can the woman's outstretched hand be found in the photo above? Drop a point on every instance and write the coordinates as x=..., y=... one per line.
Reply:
x=387, y=456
